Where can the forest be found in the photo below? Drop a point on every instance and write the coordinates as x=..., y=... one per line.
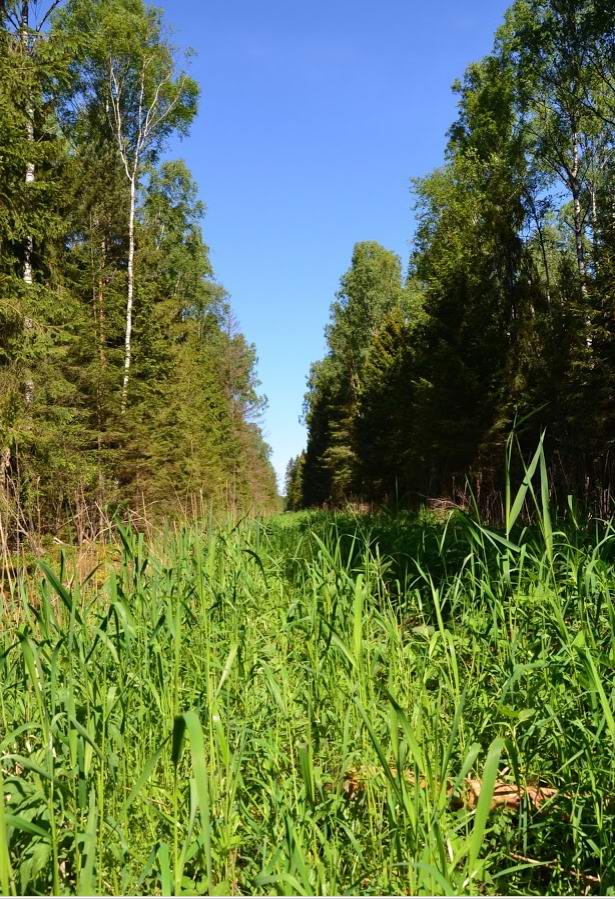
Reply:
x=125, y=383
x=402, y=684
x=503, y=319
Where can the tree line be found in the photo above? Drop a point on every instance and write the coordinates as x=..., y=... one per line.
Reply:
x=504, y=321
x=124, y=380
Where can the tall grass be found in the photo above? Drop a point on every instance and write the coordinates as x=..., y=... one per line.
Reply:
x=302, y=707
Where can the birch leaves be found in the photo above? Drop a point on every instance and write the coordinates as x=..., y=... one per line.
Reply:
x=134, y=74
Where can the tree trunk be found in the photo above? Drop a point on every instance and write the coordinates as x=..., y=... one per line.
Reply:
x=578, y=239
x=29, y=241
x=575, y=190
x=543, y=248
x=130, y=292
x=5, y=464
x=99, y=322
x=578, y=217
x=27, y=267
x=99, y=313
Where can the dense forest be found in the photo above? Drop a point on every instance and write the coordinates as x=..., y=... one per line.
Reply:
x=505, y=319
x=124, y=380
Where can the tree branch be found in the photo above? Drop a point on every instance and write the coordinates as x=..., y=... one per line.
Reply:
x=53, y=6
x=117, y=125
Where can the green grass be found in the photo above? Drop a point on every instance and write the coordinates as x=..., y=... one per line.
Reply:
x=294, y=707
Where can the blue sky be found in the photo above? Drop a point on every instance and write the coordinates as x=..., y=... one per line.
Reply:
x=314, y=116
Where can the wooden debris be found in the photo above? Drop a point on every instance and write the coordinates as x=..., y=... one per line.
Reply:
x=505, y=795
x=554, y=866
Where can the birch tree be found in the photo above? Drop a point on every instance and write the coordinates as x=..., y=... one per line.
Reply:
x=133, y=72
x=549, y=42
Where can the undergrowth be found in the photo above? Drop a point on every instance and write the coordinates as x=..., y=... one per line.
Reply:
x=315, y=704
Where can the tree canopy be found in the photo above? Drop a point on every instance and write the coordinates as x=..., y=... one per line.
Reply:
x=124, y=382
x=505, y=317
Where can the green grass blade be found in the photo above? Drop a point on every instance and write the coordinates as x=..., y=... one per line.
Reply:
x=530, y=471
x=5, y=862
x=87, y=880
x=199, y=768
x=489, y=777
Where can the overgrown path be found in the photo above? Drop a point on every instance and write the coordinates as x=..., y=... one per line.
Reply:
x=314, y=705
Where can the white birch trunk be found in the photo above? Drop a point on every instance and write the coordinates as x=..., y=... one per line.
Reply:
x=148, y=120
x=29, y=248
x=578, y=236
x=129, y=293
x=28, y=276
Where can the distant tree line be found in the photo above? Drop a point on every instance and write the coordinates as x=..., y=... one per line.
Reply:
x=506, y=316
x=124, y=380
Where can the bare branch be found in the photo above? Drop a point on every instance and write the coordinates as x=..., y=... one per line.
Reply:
x=139, y=143
x=54, y=5
x=171, y=106
x=117, y=124
x=8, y=15
x=149, y=124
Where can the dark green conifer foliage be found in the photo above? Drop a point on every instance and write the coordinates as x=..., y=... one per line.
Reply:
x=507, y=313
x=293, y=492
x=370, y=288
x=93, y=413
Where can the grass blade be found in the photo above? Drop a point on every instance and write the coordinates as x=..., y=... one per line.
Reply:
x=490, y=774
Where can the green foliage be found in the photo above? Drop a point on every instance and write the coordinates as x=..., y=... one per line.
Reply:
x=506, y=313
x=370, y=288
x=190, y=428
x=294, y=483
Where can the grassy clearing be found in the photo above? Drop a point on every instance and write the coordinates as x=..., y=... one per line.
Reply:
x=302, y=706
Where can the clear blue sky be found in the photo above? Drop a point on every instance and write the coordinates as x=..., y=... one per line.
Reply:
x=314, y=116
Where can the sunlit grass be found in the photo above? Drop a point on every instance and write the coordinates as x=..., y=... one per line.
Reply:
x=299, y=706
